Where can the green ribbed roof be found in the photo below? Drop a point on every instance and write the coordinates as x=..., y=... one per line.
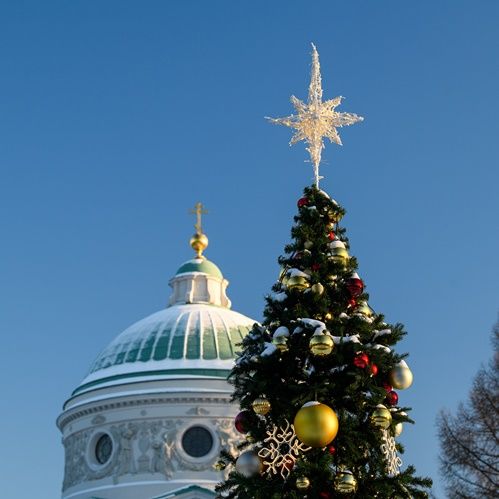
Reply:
x=200, y=265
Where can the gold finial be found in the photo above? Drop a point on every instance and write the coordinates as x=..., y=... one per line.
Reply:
x=316, y=119
x=199, y=241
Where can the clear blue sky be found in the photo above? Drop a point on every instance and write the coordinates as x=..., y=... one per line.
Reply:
x=117, y=116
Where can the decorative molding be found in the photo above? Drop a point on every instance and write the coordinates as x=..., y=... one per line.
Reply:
x=71, y=415
x=145, y=447
x=99, y=419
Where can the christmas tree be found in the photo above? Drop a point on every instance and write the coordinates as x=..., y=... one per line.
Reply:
x=317, y=380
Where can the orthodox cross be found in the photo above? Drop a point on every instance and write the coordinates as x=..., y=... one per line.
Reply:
x=198, y=210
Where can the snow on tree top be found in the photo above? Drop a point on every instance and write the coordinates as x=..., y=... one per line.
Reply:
x=281, y=331
x=297, y=273
x=336, y=244
x=268, y=350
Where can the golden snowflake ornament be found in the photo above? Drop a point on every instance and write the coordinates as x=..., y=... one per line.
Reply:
x=281, y=450
x=316, y=119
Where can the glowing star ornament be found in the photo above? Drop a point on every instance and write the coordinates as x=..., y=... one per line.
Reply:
x=316, y=120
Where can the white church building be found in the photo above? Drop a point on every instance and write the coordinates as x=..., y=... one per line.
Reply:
x=151, y=416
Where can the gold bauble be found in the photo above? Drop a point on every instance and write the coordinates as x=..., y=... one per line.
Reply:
x=340, y=255
x=283, y=276
x=401, y=376
x=317, y=288
x=297, y=282
x=281, y=343
x=397, y=429
x=364, y=309
x=302, y=483
x=199, y=242
x=321, y=344
x=345, y=482
x=261, y=406
x=316, y=424
x=328, y=316
x=381, y=417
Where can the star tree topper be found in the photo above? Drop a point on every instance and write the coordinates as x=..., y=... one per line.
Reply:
x=316, y=119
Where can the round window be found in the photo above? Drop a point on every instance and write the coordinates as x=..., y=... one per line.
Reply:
x=197, y=441
x=103, y=449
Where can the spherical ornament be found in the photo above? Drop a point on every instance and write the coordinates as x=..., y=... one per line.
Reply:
x=281, y=343
x=315, y=267
x=331, y=235
x=316, y=424
x=297, y=282
x=387, y=387
x=401, y=376
x=249, y=464
x=317, y=288
x=392, y=398
x=328, y=316
x=324, y=495
x=261, y=406
x=397, y=429
x=381, y=417
x=302, y=202
x=308, y=244
x=302, y=483
x=345, y=482
x=374, y=369
x=355, y=285
x=283, y=276
x=199, y=242
x=352, y=303
x=361, y=360
x=339, y=253
x=243, y=421
x=364, y=309
x=331, y=449
x=321, y=344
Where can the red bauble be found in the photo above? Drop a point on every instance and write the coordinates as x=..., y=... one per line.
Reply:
x=331, y=449
x=355, y=285
x=374, y=369
x=302, y=202
x=392, y=398
x=352, y=303
x=361, y=360
x=325, y=495
x=387, y=387
x=242, y=421
x=315, y=267
x=331, y=236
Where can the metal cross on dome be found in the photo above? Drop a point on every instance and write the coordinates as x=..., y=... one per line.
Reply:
x=316, y=119
x=198, y=210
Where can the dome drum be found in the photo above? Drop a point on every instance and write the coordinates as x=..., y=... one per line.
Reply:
x=151, y=416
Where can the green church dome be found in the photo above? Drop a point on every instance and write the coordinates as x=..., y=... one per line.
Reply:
x=200, y=265
x=183, y=340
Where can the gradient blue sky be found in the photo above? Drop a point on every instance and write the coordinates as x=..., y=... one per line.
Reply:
x=117, y=116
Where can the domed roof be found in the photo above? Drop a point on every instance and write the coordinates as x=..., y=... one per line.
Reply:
x=197, y=335
x=183, y=340
x=200, y=265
